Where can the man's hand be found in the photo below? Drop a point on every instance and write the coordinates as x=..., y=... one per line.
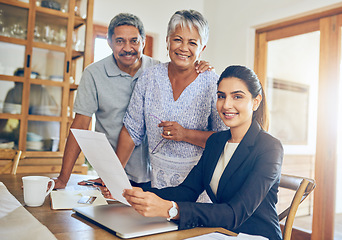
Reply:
x=59, y=184
x=86, y=182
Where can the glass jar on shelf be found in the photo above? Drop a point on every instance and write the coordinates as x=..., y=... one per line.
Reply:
x=60, y=5
x=81, y=8
x=13, y=21
x=52, y=32
x=78, y=37
x=2, y=21
x=52, y=4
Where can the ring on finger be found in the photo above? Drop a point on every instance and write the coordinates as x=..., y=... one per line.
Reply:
x=168, y=133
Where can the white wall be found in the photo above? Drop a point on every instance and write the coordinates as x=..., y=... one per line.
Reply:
x=232, y=23
x=232, y=35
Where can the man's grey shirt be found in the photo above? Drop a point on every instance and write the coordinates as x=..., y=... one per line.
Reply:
x=106, y=91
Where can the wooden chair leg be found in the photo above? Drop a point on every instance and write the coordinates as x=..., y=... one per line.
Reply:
x=16, y=162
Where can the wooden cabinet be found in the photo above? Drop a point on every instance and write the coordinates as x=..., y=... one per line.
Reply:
x=43, y=50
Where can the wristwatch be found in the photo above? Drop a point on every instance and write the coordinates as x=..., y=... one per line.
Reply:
x=173, y=211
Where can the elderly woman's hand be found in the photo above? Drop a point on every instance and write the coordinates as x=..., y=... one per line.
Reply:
x=202, y=66
x=146, y=203
x=173, y=131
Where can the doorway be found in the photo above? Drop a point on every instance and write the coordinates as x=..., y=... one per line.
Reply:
x=298, y=61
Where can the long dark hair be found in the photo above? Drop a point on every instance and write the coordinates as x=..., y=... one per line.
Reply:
x=254, y=86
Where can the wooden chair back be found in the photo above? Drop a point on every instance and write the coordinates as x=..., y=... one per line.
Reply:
x=302, y=187
x=13, y=158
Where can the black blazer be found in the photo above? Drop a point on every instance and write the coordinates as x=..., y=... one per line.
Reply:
x=247, y=191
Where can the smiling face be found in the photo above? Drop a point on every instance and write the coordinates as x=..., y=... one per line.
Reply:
x=127, y=46
x=235, y=104
x=184, y=47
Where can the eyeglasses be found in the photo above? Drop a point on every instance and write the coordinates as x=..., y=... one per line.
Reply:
x=159, y=146
x=161, y=143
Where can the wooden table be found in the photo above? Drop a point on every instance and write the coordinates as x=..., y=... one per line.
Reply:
x=65, y=224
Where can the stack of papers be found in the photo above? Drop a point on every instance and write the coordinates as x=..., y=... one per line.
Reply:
x=222, y=236
x=18, y=223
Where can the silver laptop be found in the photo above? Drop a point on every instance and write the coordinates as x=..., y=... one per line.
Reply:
x=125, y=221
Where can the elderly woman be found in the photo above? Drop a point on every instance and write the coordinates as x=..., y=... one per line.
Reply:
x=174, y=105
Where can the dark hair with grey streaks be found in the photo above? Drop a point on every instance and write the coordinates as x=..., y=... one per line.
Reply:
x=125, y=19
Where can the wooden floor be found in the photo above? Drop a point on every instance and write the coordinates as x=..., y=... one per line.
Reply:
x=305, y=223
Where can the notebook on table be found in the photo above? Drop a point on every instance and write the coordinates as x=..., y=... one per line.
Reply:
x=125, y=221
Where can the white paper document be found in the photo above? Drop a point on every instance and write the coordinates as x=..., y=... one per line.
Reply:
x=102, y=157
x=70, y=199
x=18, y=223
x=221, y=236
x=212, y=236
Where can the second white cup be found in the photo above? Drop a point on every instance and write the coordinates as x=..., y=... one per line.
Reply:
x=35, y=189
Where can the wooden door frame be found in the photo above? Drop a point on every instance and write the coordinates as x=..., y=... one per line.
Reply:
x=329, y=24
x=98, y=31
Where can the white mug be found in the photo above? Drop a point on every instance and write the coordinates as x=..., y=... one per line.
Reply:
x=35, y=189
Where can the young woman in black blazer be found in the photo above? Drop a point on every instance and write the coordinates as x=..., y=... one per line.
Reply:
x=240, y=168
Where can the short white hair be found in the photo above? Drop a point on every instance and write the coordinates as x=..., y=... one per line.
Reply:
x=190, y=18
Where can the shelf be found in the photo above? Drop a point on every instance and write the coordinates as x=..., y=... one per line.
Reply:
x=14, y=20
x=42, y=154
x=77, y=54
x=79, y=22
x=9, y=116
x=60, y=19
x=73, y=87
x=44, y=118
x=15, y=3
x=51, y=12
x=50, y=54
x=18, y=41
x=11, y=78
x=47, y=82
x=48, y=46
